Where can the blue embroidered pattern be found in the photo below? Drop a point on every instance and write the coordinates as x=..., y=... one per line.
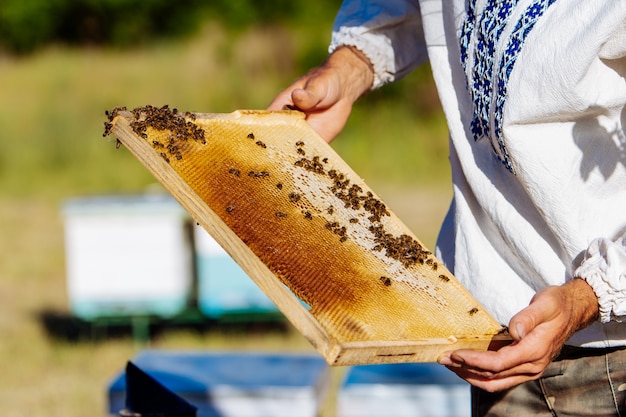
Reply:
x=492, y=22
x=485, y=31
x=466, y=30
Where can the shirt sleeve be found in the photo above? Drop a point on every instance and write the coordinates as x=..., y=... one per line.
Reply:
x=604, y=269
x=388, y=32
x=604, y=262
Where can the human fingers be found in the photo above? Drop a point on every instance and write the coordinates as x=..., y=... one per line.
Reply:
x=545, y=307
x=527, y=357
x=538, y=333
x=492, y=384
x=326, y=94
x=328, y=123
x=283, y=99
x=494, y=371
x=319, y=96
x=318, y=90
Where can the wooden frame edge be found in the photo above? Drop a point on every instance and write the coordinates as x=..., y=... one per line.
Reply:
x=287, y=303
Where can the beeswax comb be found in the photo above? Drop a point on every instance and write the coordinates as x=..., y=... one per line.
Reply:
x=337, y=262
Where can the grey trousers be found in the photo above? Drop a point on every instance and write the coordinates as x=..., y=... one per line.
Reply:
x=579, y=382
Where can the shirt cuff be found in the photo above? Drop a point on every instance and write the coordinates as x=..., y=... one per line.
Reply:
x=375, y=47
x=604, y=269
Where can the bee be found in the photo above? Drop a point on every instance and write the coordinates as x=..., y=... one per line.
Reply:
x=385, y=280
x=250, y=135
x=279, y=186
x=107, y=128
x=299, y=143
x=234, y=171
x=473, y=311
x=261, y=144
x=308, y=215
x=258, y=174
x=431, y=263
x=230, y=208
x=444, y=278
x=353, y=220
x=281, y=214
x=118, y=143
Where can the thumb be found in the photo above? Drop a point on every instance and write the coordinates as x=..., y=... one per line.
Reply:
x=305, y=98
x=523, y=322
x=322, y=90
x=543, y=308
x=518, y=328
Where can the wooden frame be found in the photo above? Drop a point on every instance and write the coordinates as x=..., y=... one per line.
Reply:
x=170, y=158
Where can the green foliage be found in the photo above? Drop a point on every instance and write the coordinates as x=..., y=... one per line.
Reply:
x=26, y=25
x=53, y=102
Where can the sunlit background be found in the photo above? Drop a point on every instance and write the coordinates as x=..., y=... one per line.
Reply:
x=63, y=63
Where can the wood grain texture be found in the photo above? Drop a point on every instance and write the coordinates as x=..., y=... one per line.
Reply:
x=312, y=235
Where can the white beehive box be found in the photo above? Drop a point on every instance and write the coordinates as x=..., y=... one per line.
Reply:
x=403, y=390
x=127, y=255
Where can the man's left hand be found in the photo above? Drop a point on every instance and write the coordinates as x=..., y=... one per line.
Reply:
x=539, y=332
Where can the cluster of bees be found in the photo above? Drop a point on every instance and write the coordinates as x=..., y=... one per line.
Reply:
x=353, y=197
x=338, y=229
x=313, y=165
x=403, y=248
x=110, y=115
x=180, y=126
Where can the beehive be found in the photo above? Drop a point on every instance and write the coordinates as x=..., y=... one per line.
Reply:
x=314, y=237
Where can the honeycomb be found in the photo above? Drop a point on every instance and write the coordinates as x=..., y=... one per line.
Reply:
x=312, y=221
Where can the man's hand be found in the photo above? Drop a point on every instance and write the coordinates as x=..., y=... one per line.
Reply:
x=539, y=331
x=326, y=94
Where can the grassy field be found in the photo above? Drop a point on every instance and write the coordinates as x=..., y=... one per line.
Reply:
x=51, y=113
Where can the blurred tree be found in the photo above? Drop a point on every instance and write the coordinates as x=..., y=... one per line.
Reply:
x=26, y=25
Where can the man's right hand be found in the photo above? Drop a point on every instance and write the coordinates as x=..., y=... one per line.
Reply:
x=326, y=94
